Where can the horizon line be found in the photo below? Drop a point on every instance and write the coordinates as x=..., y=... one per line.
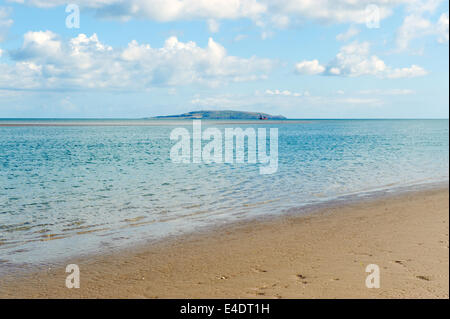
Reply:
x=206, y=119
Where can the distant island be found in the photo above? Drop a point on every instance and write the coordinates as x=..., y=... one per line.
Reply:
x=223, y=115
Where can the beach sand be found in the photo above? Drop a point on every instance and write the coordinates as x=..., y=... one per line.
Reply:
x=323, y=254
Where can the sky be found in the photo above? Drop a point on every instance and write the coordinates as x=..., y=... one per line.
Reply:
x=298, y=58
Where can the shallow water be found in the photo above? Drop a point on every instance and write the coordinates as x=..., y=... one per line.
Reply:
x=70, y=190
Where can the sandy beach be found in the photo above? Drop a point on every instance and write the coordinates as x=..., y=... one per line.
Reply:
x=319, y=255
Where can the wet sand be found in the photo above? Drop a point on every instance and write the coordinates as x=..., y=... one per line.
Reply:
x=323, y=254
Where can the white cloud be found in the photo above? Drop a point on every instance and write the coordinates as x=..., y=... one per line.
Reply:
x=423, y=6
x=39, y=44
x=410, y=72
x=46, y=62
x=350, y=33
x=280, y=13
x=354, y=60
x=309, y=67
x=280, y=21
x=283, y=93
x=267, y=14
x=330, y=11
x=213, y=26
x=284, y=103
x=5, y=22
x=415, y=25
x=442, y=28
x=165, y=10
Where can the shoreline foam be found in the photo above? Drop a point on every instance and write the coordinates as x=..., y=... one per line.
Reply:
x=302, y=209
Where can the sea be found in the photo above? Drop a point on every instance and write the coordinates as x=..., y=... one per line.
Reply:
x=74, y=187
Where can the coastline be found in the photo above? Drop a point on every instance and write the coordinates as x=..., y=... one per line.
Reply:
x=318, y=254
x=146, y=122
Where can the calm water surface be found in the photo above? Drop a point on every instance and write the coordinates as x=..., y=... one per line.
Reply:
x=69, y=190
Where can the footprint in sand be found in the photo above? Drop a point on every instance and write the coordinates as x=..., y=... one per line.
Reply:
x=259, y=270
x=426, y=278
x=302, y=278
x=258, y=291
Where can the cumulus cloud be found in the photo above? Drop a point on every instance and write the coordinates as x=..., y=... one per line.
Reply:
x=309, y=67
x=44, y=61
x=39, y=45
x=279, y=12
x=354, y=60
x=164, y=10
x=267, y=14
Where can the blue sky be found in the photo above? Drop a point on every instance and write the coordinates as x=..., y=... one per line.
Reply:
x=299, y=58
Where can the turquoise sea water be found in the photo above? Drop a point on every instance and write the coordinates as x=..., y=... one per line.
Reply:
x=70, y=190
